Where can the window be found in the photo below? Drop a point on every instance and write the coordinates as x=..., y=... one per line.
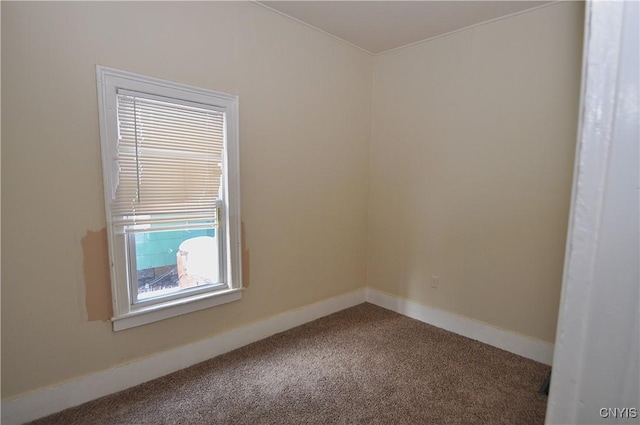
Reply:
x=170, y=168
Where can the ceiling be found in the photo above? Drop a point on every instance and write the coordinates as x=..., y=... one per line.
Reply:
x=378, y=26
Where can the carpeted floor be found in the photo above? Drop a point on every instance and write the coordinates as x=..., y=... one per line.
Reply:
x=364, y=365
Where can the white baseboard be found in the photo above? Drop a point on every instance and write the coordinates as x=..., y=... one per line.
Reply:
x=53, y=399
x=530, y=348
x=43, y=402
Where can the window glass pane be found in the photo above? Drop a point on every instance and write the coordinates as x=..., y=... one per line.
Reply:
x=169, y=261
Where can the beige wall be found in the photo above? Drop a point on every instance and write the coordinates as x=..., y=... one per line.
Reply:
x=304, y=123
x=472, y=148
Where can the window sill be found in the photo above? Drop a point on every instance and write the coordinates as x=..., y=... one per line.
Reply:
x=177, y=307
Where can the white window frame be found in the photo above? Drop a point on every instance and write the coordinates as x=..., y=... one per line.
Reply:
x=127, y=313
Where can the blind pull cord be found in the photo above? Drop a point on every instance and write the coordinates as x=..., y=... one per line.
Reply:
x=135, y=127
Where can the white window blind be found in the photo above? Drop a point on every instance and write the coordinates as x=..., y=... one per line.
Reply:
x=169, y=161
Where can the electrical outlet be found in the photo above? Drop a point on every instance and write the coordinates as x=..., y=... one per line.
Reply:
x=435, y=281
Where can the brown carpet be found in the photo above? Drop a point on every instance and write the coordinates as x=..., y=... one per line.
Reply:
x=364, y=365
